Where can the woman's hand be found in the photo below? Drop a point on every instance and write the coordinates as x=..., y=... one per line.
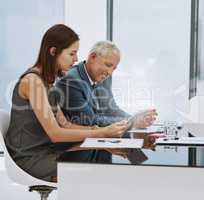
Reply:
x=115, y=130
x=145, y=119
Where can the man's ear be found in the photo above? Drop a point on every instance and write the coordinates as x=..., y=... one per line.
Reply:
x=52, y=51
x=93, y=55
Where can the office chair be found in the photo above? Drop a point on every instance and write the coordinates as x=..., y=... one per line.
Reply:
x=17, y=174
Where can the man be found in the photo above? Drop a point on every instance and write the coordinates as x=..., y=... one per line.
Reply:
x=88, y=97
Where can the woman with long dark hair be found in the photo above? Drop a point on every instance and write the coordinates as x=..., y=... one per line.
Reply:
x=38, y=131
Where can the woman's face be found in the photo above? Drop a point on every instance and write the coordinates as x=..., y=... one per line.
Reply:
x=68, y=56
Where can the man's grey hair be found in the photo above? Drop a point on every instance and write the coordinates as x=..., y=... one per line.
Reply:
x=102, y=48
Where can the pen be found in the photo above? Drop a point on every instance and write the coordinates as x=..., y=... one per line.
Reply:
x=111, y=141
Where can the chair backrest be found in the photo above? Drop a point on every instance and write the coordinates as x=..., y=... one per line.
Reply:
x=14, y=172
x=4, y=123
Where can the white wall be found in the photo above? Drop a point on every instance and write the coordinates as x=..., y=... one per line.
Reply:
x=88, y=19
x=22, y=24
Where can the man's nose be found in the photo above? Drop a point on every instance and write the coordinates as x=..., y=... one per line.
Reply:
x=110, y=71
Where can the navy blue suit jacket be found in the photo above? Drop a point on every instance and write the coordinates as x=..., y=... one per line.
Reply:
x=87, y=105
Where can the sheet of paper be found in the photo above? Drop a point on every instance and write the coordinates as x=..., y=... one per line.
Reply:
x=112, y=143
x=185, y=141
x=151, y=129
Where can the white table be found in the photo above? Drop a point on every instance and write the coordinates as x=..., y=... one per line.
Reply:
x=118, y=182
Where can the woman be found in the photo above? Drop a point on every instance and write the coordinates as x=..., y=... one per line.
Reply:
x=38, y=131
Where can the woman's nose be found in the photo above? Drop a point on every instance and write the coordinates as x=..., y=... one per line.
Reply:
x=76, y=58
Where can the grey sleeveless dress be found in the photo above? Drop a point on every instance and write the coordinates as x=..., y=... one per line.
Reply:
x=27, y=142
x=30, y=146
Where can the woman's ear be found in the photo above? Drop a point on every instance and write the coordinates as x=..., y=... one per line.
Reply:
x=52, y=51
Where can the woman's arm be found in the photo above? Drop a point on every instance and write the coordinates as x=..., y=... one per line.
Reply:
x=63, y=122
x=32, y=88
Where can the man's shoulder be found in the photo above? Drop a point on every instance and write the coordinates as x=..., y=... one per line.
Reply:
x=74, y=78
x=72, y=73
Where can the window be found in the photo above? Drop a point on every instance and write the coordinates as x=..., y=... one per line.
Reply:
x=154, y=37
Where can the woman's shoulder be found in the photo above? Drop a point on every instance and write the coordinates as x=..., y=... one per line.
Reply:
x=31, y=75
x=29, y=80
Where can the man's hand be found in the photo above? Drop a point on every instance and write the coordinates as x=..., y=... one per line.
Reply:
x=149, y=139
x=145, y=119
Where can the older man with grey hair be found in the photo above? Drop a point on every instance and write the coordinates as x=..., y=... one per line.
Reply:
x=87, y=88
x=87, y=95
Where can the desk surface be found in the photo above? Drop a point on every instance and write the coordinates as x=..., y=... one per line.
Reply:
x=179, y=156
x=125, y=180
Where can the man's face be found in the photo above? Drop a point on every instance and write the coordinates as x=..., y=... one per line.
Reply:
x=103, y=66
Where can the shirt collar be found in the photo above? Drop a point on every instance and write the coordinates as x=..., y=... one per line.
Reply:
x=90, y=80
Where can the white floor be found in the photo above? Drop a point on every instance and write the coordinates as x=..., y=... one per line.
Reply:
x=13, y=191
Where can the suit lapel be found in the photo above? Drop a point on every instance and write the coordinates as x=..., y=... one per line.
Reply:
x=82, y=73
x=91, y=96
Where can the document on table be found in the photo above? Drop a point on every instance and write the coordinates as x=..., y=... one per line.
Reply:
x=112, y=143
x=150, y=129
x=182, y=141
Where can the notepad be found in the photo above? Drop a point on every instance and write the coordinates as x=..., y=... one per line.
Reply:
x=112, y=143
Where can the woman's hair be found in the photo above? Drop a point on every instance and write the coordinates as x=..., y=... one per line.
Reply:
x=60, y=37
